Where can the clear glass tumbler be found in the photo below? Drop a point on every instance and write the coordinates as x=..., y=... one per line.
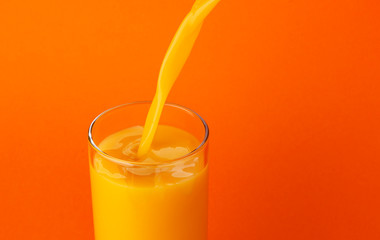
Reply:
x=149, y=201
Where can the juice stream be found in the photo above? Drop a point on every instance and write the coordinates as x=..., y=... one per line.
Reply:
x=176, y=55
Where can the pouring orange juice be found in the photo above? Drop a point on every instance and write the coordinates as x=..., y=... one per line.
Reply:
x=151, y=182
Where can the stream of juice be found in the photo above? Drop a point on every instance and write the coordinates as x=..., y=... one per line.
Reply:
x=175, y=58
x=143, y=203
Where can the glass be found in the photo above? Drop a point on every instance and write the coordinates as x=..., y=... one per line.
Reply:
x=146, y=201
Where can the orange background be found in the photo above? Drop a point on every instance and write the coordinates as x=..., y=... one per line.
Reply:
x=289, y=88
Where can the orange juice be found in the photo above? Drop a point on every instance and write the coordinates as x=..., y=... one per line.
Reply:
x=150, y=183
x=162, y=196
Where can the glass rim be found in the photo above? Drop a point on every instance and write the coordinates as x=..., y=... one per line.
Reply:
x=200, y=147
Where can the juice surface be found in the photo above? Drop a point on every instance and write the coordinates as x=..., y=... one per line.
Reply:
x=152, y=202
